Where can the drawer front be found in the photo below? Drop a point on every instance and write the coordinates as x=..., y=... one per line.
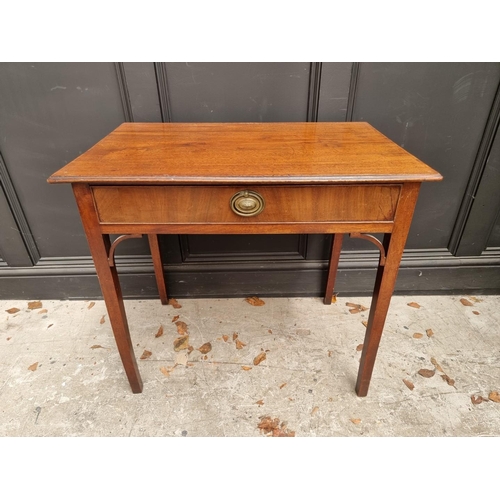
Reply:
x=212, y=204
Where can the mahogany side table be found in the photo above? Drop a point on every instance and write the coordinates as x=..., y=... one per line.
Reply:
x=240, y=178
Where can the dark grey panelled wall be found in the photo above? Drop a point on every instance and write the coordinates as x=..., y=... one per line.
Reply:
x=445, y=114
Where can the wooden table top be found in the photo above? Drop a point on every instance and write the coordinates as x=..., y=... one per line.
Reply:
x=245, y=153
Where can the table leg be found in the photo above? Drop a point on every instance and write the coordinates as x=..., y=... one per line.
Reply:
x=108, y=278
x=385, y=281
x=332, y=267
x=154, y=245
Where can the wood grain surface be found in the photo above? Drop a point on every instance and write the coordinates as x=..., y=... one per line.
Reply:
x=236, y=153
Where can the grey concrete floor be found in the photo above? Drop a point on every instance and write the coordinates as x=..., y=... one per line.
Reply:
x=60, y=373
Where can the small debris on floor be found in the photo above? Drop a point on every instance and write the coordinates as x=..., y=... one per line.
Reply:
x=174, y=303
x=205, y=348
x=255, y=301
x=355, y=308
x=181, y=343
x=258, y=359
x=272, y=427
x=409, y=384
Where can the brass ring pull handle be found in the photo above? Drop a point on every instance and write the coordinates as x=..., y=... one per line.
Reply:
x=247, y=203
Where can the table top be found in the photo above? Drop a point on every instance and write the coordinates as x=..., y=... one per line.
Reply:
x=245, y=153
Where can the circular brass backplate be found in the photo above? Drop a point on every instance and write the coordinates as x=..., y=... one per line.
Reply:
x=247, y=203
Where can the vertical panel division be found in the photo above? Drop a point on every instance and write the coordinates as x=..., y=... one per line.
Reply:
x=461, y=241
x=18, y=214
x=353, y=86
x=124, y=93
x=163, y=94
x=314, y=92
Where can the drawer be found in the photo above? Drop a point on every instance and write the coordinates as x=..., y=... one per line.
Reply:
x=212, y=204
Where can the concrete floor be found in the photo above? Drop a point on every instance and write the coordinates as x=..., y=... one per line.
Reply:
x=78, y=387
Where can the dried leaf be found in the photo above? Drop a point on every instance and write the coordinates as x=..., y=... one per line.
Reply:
x=181, y=358
x=258, y=359
x=429, y=332
x=334, y=298
x=190, y=349
x=182, y=328
x=448, y=380
x=359, y=347
x=36, y=304
x=240, y=344
x=174, y=303
x=414, y=304
x=12, y=310
x=146, y=354
x=159, y=333
x=260, y=402
x=246, y=368
x=437, y=365
x=409, y=384
x=268, y=424
x=181, y=343
x=205, y=348
x=175, y=318
x=418, y=335
x=42, y=311
x=33, y=367
x=282, y=385
x=476, y=313
x=475, y=299
x=424, y=372
x=476, y=400
x=91, y=305
x=255, y=301
x=272, y=427
x=167, y=370
x=356, y=421
x=235, y=336
x=365, y=324
x=97, y=346
x=466, y=302
x=314, y=410
x=494, y=396
x=225, y=338
x=52, y=324
x=355, y=308
x=102, y=320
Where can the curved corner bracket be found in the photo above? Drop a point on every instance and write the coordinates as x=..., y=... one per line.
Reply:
x=123, y=237
x=375, y=241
